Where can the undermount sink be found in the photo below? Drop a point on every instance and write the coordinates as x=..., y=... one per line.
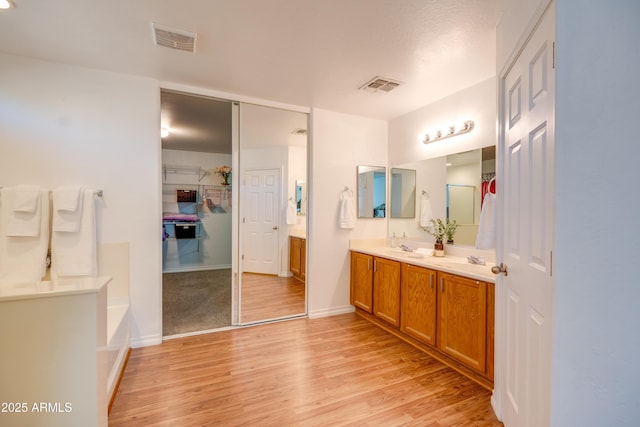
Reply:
x=391, y=250
x=446, y=260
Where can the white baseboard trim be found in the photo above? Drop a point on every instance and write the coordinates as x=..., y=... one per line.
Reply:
x=146, y=341
x=196, y=268
x=333, y=311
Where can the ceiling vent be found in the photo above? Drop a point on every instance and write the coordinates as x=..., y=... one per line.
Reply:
x=174, y=39
x=380, y=84
x=299, y=131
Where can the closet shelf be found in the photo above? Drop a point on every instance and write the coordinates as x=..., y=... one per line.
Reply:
x=185, y=170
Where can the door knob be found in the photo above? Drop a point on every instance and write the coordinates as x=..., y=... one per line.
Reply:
x=497, y=269
x=275, y=227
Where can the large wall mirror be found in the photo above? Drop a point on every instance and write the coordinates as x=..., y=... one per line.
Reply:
x=301, y=197
x=403, y=193
x=454, y=185
x=372, y=191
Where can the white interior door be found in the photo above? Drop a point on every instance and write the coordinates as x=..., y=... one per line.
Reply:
x=261, y=222
x=527, y=242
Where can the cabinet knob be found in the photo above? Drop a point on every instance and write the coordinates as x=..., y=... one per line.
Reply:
x=497, y=269
x=275, y=227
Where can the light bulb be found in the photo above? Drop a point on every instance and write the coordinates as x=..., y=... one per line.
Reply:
x=6, y=4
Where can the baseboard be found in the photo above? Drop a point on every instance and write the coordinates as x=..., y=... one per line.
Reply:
x=196, y=268
x=117, y=386
x=146, y=341
x=334, y=311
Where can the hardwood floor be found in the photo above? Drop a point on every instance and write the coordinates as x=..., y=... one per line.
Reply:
x=270, y=297
x=334, y=371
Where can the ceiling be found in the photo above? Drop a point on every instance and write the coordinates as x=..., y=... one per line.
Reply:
x=195, y=123
x=311, y=53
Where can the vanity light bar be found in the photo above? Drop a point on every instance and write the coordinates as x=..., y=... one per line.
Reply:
x=451, y=131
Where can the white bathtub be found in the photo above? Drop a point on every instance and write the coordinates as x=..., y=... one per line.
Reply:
x=61, y=324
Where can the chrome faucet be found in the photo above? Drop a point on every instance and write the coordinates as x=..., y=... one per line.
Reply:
x=406, y=248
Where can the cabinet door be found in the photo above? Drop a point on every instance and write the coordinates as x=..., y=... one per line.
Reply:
x=361, y=281
x=491, y=320
x=418, y=308
x=294, y=255
x=462, y=322
x=303, y=258
x=386, y=290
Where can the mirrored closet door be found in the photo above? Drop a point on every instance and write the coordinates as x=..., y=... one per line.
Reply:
x=272, y=196
x=198, y=209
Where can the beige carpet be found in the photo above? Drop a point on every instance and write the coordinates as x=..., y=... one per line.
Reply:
x=195, y=301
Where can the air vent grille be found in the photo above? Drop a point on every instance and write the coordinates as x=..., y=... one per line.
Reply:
x=380, y=84
x=174, y=39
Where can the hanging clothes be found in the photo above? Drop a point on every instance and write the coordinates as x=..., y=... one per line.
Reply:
x=486, y=238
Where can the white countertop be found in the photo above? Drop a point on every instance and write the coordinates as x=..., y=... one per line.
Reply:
x=53, y=288
x=298, y=233
x=448, y=264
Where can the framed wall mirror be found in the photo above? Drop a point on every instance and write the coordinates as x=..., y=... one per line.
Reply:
x=403, y=193
x=301, y=197
x=372, y=191
x=455, y=187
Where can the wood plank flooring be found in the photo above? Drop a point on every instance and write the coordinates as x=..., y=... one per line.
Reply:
x=334, y=371
x=270, y=297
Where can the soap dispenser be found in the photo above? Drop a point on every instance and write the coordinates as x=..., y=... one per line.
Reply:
x=393, y=241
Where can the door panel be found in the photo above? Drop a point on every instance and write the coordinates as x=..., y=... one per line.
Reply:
x=528, y=153
x=261, y=221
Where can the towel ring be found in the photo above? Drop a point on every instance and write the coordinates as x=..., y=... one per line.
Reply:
x=347, y=190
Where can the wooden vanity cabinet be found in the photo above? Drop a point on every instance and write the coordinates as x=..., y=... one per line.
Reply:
x=448, y=316
x=418, y=307
x=362, y=281
x=462, y=319
x=386, y=290
x=297, y=257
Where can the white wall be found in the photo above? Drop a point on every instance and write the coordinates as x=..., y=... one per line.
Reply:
x=477, y=103
x=65, y=125
x=213, y=250
x=340, y=143
x=596, y=374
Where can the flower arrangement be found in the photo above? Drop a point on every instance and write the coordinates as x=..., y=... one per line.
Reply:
x=450, y=230
x=225, y=173
x=441, y=229
x=437, y=230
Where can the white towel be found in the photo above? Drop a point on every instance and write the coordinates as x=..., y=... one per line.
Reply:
x=23, y=259
x=26, y=198
x=487, y=229
x=347, y=210
x=292, y=218
x=75, y=253
x=426, y=213
x=67, y=209
x=25, y=216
